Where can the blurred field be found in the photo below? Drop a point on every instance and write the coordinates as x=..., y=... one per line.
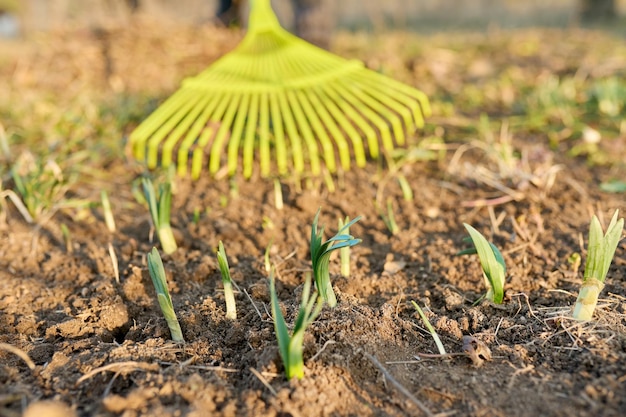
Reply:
x=425, y=15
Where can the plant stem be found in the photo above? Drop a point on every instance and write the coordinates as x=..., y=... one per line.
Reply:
x=587, y=299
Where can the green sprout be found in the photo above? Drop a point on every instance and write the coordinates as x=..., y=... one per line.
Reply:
x=600, y=253
x=407, y=192
x=42, y=188
x=492, y=263
x=160, y=208
x=389, y=219
x=67, y=238
x=344, y=252
x=157, y=273
x=320, y=256
x=291, y=347
x=278, y=195
x=108, y=211
x=231, y=308
x=431, y=329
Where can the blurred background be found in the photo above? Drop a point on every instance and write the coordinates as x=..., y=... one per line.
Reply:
x=20, y=17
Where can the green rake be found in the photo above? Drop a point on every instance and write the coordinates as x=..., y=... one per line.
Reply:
x=276, y=94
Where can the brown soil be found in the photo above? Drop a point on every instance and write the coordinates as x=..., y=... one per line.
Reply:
x=102, y=346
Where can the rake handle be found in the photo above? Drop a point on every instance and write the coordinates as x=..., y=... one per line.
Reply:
x=262, y=17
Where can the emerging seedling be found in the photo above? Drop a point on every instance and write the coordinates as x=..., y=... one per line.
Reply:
x=320, y=256
x=231, y=308
x=157, y=273
x=344, y=252
x=278, y=195
x=108, y=211
x=160, y=208
x=431, y=329
x=67, y=238
x=600, y=253
x=291, y=347
x=492, y=263
x=389, y=218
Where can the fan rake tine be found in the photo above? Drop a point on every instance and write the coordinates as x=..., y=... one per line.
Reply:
x=264, y=135
x=305, y=128
x=318, y=128
x=237, y=133
x=373, y=117
x=171, y=120
x=179, y=131
x=390, y=101
x=292, y=133
x=192, y=135
x=217, y=148
x=392, y=118
x=279, y=134
x=207, y=134
x=348, y=128
x=353, y=115
x=141, y=135
x=401, y=98
x=329, y=123
x=248, y=144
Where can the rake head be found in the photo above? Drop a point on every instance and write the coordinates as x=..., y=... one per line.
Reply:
x=277, y=95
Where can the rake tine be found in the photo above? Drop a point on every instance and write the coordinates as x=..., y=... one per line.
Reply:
x=237, y=134
x=279, y=135
x=175, y=136
x=318, y=128
x=349, y=130
x=192, y=135
x=264, y=140
x=248, y=144
x=413, y=101
x=292, y=134
x=207, y=134
x=305, y=128
x=392, y=118
x=174, y=118
x=218, y=143
x=375, y=119
x=140, y=136
x=353, y=115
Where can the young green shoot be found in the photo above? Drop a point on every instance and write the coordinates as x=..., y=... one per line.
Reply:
x=291, y=346
x=389, y=219
x=344, y=252
x=600, y=253
x=266, y=258
x=67, y=238
x=114, y=263
x=108, y=212
x=492, y=263
x=160, y=208
x=229, y=295
x=42, y=186
x=433, y=333
x=320, y=256
x=278, y=194
x=19, y=205
x=196, y=216
x=407, y=192
x=157, y=273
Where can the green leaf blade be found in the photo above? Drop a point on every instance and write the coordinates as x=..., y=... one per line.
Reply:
x=492, y=263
